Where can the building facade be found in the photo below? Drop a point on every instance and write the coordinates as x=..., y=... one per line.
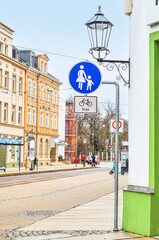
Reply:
x=41, y=110
x=12, y=79
x=141, y=198
x=70, y=132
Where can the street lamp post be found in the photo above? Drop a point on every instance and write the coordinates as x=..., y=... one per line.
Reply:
x=99, y=30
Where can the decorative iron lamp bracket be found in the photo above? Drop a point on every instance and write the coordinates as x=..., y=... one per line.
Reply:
x=120, y=66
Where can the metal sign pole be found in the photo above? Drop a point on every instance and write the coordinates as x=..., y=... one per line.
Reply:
x=76, y=133
x=116, y=155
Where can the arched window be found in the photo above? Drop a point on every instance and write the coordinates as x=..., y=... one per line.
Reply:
x=41, y=148
x=46, y=148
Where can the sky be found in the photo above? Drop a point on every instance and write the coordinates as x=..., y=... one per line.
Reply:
x=58, y=28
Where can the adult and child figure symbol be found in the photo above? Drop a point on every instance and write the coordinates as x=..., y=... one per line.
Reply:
x=82, y=78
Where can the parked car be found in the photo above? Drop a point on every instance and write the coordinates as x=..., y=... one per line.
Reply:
x=97, y=160
x=89, y=160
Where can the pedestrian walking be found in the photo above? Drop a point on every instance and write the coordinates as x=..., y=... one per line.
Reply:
x=76, y=161
x=93, y=160
x=83, y=160
x=35, y=162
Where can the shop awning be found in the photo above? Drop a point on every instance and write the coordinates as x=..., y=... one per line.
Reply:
x=10, y=141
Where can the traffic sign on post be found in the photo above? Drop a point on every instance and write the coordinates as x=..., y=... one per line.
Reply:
x=86, y=104
x=113, y=126
x=85, y=77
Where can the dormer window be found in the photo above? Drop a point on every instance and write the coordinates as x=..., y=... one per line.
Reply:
x=6, y=50
x=42, y=65
x=45, y=67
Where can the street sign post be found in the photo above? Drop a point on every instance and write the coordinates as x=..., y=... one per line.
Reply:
x=113, y=126
x=85, y=104
x=85, y=77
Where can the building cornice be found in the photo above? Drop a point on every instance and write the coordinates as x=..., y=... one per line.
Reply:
x=13, y=61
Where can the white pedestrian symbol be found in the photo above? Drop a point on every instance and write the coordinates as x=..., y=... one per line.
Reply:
x=89, y=83
x=82, y=79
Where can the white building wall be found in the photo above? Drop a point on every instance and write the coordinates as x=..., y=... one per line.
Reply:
x=139, y=91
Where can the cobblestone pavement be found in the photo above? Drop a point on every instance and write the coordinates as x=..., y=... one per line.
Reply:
x=22, y=205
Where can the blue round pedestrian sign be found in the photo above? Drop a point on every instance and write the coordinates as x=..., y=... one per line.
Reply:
x=85, y=77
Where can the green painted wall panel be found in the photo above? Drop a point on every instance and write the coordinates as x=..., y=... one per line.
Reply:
x=136, y=212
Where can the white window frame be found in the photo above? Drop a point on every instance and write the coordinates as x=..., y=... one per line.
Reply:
x=20, y=115
x=5, y=118
x=47, y=94
x=45, y=67
x=1, y=77
x=6, y=49
x=13, y=114
x=1, y=47
x=29, y=87
x=20, y=85
x=34, y=116
x=52, y=121
x=55, y=121
x=55, y=97
x=52, y=96
x=29, y=115
x=47, y=119
x=42, y=65
x=6, y=79
x=14, y=83
x=42, y=92
x=34, y=89
x=41, y=118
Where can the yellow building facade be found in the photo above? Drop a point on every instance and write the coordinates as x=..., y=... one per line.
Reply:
x=41, y=111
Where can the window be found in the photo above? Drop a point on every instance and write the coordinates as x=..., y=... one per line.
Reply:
x=14, y=83
x=29, y=88
x=42, y=66
x=55, y=121
x=6, y=79
x=45, y=67
x=41, y=147
x=52, y=97
x=34, y=89
x=6, y=50
x=156, y=2
x=41, y=118
x=47, y=119
x=46, y=148
x=29, y=115
x=34, y=117
x=0, y=111
x=51, y=120
x=47, y=95
x=1, y=47
x=20, y=85
x=55, y=97
x=5, y=112
x=0, y=77
x=13, y=114
x=19, y=115
x=42, y=92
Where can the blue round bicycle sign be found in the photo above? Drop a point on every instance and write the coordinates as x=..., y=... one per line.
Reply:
x=85, y=77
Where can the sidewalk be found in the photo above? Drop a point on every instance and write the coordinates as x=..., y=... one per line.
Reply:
x=91, y=221
x=42, y=169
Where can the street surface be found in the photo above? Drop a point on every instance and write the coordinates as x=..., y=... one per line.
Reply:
x=28, y=198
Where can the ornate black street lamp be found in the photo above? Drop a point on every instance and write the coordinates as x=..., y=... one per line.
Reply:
x=99, y=31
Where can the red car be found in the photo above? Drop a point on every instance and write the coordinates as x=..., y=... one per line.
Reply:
x=89, y=159
x=97, y=160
